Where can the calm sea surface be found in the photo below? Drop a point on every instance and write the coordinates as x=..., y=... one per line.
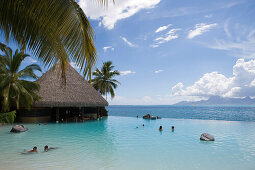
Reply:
x=231, y=113
x=120, y=142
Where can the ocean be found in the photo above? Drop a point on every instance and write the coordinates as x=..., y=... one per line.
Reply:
x=229, y=113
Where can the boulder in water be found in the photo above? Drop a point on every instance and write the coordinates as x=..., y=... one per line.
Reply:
x=206, y=137
x=18, y=128
x=147, y=116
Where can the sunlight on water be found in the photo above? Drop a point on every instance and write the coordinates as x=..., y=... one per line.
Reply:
x=116, y=143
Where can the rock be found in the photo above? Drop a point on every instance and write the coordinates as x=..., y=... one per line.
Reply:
x=18, y=128
x=206, y=137
x=147, y=116
x=153, y=117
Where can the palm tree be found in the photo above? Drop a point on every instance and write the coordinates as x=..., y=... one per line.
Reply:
x=54, y=30
x=104, y=81
x=14, y=89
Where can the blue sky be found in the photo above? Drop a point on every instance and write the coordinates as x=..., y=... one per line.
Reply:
x=174, y=50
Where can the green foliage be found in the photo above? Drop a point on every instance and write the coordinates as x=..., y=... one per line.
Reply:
x=14, y=90
x=8, y=117
x=104, y=81
x=54, y=30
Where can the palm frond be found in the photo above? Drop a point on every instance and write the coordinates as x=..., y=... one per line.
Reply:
x=54, y=30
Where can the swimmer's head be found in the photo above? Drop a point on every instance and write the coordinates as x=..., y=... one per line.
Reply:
x=35, y=148
x=46, y=147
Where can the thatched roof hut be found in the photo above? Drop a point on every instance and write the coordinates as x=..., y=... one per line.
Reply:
x=76, y=93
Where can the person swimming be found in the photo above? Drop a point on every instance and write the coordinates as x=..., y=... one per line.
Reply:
x=160, y=128
x=172, y=128
x=46, y=148
x=34, y=150
x=143, y=125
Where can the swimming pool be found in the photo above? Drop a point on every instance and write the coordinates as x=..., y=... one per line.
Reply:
x=116, y=143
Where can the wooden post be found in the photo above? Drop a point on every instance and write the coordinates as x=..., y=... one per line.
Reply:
x=57, y=114
x=98, y=115
x=82, y=113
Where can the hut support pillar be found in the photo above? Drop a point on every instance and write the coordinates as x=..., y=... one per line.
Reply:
x=82, y=113
x=57, y=114
x=98, y=115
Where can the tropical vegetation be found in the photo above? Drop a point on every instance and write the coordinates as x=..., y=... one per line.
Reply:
x=15, y=90
x=54, y=30
x=8, y=117
x=104, y=81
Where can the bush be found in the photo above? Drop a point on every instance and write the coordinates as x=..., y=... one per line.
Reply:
x=8, y=117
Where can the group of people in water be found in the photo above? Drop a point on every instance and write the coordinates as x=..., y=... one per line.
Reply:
x=161, y=128
x=34, y=150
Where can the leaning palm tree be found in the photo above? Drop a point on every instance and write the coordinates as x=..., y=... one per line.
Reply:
x=104, y=81
x=54, y=30
x=14, y=89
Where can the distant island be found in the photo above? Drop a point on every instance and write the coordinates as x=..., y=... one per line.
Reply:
x=217, y=100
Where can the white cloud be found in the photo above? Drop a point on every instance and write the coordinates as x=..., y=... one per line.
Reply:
x=162, y=28
x=128, y=42
x=236, y=43
x=177, y=89
x=124, y=73
x=108, y=47
x=158, y=71
x=73, y=64
x=231, y=4
x=242, y=48
x=111, y=14
x=241, y=84
x=154, y=45
x=170, y=35
x=200, y=29
x=226, y=29
x=208, y=16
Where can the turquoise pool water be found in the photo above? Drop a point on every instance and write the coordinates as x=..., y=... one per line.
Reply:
x=116, y=143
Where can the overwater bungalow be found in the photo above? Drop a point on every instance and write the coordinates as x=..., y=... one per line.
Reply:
x=76, y=100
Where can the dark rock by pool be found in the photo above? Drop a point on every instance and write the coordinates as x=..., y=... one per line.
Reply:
x=206, y=137
x=18, y=128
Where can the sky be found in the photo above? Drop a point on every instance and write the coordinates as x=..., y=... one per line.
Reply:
x=175, y=50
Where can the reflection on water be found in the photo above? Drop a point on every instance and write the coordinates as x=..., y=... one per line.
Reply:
x=116, y=143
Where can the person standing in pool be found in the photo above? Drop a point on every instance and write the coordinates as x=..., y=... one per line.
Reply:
x=160, y=128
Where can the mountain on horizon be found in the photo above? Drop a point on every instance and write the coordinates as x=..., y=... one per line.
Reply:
x=217, y=100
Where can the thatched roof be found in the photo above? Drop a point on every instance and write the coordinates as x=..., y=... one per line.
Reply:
x=76, y=93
